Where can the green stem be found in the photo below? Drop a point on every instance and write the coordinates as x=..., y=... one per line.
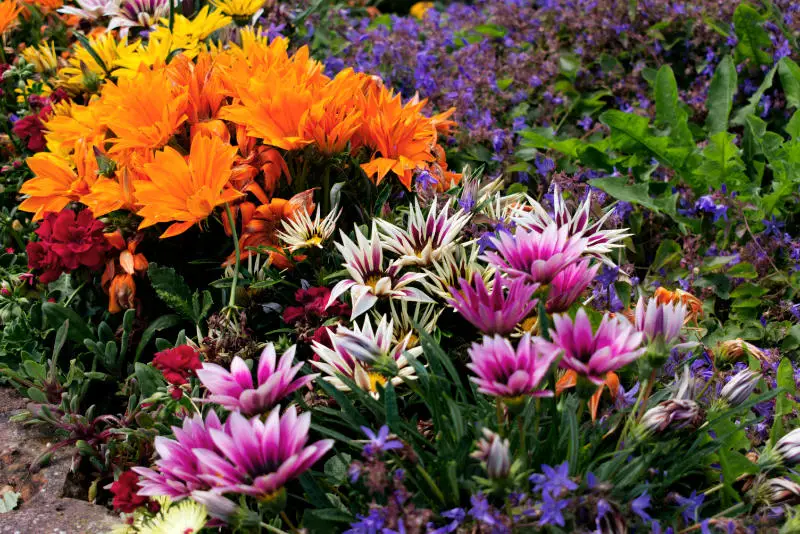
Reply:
x=522, y=452
x=232, y=222
x=500, y=418
x=288, y=522
x=648, y=391
x=270, y=528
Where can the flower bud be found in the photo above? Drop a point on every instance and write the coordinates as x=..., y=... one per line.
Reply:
x=782, y=491
x=740, y=387
x=736, y=349
x=494, y=452
x=674, y=414
x=788, y=447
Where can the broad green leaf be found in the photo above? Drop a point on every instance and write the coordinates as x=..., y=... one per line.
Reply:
x=668, y=252
x=790, y=80
x=149, y=379
x=784, y=404
x=56, y=314
x=618, y=187
x=162, y=323
x=754, y=41
x=668, y=110
x=720, y=96
x=741, y=115
x=722, y=164
x=632, y=133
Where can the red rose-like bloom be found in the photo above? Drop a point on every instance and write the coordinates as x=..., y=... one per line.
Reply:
x=32, y=129
x=124, y=489
x=312, y=306
x=67, y=241
x=177, y=364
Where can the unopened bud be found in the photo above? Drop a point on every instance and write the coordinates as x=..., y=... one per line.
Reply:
x=782, y=491
x=494, y=452
x=788, y=447
x=674, y=414
x=740, y=387
x=735, y=349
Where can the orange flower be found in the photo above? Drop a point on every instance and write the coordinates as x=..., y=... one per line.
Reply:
x=9, y=10
x=143, y=111
x=570, y=379
x=203, y=82
x=78, y=122
x=186, y=189
x=401, y=136
x=47, y=5
x=56, y=183
x=694, y=304
x=335, y=117
x=111, y=194
x=266, y=221
x=117, y=279
x=271, y=110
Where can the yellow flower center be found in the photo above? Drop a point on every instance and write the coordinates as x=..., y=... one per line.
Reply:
x=375, y=379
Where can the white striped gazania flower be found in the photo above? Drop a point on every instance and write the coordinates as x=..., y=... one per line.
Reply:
x=369, y=278
x=459, y=262
x=365, y=355
x=427, y=237
x=301, y=231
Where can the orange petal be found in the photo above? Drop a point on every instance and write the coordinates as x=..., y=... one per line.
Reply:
x=568, y=380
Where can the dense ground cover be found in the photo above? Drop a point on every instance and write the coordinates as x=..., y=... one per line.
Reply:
x=500, y=266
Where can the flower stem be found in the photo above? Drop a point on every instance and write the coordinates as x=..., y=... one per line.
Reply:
x=500, y=418
x=522, y=452
x=285, y=518
x=270, y=528
x=232, y=222
x=647, y=391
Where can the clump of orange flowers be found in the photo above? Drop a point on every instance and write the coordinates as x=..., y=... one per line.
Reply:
x=178, y=141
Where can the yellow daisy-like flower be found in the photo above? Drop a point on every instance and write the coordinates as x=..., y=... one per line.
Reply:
x=42, y=57
x=84, y=72
x=419, y=9
x=188, y=35
x=238, y=8
x=185, y=517
x=155, y=52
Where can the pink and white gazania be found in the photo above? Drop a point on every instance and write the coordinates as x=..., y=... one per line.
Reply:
x=236, y=390
x=615, y=344
x=127, y=14
x=537, y=256
x=369, y=279
x=355, y=353
x=504, y=372
x=598, y=241
x=257, y=458
x=498, y=312
x=178, y=473
x=426, y=238
x=90, y=9
x=568, y=285
x=660, y=322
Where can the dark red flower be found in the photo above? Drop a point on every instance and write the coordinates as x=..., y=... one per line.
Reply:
x=177, y=364
x=32, y=129
x=312, y=308
x=66, y=242
x=124, y=489
x=322, y=335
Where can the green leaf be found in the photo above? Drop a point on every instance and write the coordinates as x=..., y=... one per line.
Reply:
x=173, y=290
x=668, y=110
x=750, y=109
x=722, y=164
x=632, y=133
x=784, y=405
x=668, y=252
x=56, y=314
x=720, y=96
x=162, y=323
x=491, y=30
x=754, y=40
x=619, y=188
x=149, y=379
x=790, y=80
x=336, y=468
x=390, y=404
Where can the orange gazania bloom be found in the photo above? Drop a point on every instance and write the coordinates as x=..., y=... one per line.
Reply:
x=273, y=111
x=186, y=189
x=9, y=10
x=203, y=82
x=143, y=111
x=47, y=5
x=111, y=194
x=570, y=379
x=694, y=304
x=336, y=116
x=56, y=183
x=266, y=221
x=75, y=122
x=117, y=279
x=401, y=136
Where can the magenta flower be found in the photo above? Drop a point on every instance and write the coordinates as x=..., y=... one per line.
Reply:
x=659, y=321
x=537, y=256
x=256, y=457
x=178, y=472
x=503, y=372
x=498, y=312
x=568, y=285
x=235, y=389
x=615, y=344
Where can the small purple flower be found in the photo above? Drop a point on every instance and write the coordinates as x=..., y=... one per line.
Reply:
x=369, y=524
x=551, y=510
x=690, y=506
x=639, y=506
x=481, y=510
x=379, y=442
x=553, y=480
x=544, y=166
x=586, y=123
